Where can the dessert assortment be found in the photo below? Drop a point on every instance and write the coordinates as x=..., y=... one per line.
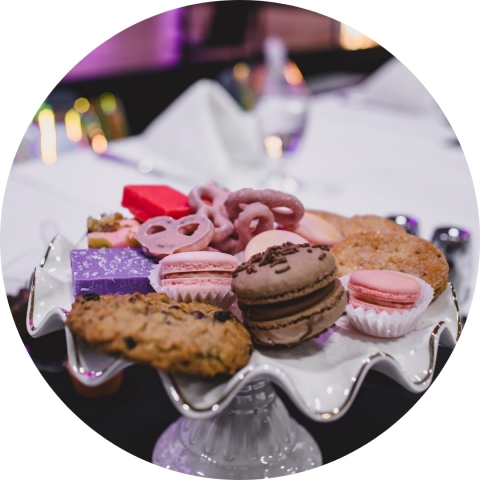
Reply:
x=165, y=287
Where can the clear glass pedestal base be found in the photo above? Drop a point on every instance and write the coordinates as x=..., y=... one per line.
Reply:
x=281, y=182
x=253, y=438
x=277, y=176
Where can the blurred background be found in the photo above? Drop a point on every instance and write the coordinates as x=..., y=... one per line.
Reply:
x=125, y=83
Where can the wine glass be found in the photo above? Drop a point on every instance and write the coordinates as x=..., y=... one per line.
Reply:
x=281, y=115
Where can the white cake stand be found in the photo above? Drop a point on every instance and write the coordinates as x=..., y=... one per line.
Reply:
x=237, y=427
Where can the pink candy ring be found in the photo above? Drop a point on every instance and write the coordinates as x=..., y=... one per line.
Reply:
x=209, y=201
x=254, y=211
x=162, y=236
x=274, y=200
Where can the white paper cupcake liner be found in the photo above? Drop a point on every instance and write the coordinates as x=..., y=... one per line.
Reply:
x=388, y=325
x=154, y=277
x=221, y=297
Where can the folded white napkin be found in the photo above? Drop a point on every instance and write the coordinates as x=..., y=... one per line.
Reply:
x=394, y=86
x=206, y=130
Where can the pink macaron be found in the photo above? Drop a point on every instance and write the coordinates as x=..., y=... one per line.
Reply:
x=383, y=290
x=197, y=270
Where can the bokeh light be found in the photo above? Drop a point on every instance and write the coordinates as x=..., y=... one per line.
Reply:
x=273, y=146
x=48, y=136
x=81, y=105
x=73, y=125
x=108, y=103
x=241, y=71
x=351, y=39
x=99, y=144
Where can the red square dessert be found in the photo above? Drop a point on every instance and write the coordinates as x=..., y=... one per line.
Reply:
x=148, y=201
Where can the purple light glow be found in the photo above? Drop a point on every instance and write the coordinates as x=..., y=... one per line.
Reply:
x=154, y=43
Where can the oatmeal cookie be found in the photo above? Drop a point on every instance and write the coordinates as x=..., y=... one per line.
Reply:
x=192, y=338
x=392, y=251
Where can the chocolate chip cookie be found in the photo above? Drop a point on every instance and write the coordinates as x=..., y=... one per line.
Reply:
x=192, y=338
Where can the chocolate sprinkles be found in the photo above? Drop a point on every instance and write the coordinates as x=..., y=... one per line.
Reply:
x=285, y=269
x=326, y=248
x=278, y=262
x=274, y=256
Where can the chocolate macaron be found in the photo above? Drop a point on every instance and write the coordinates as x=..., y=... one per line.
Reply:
x=289, y=293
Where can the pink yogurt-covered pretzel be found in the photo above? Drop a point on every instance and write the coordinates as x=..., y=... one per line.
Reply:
x=276, y=201
x=162, y=236
x=254, y=211
x=252, y=220
x=209, y=200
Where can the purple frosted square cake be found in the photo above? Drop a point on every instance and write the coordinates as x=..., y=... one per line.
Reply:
x=107, y=271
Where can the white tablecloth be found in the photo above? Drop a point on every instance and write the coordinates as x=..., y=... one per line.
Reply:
x=355, y=159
